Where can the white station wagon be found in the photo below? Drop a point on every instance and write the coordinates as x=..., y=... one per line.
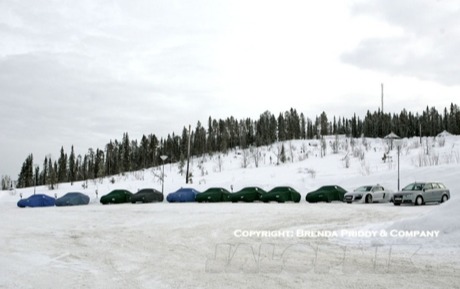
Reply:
x=422, y=193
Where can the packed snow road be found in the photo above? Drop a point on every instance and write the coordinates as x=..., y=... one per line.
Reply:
x=225, y=246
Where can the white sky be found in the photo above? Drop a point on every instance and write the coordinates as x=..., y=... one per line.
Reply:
x=83, y=72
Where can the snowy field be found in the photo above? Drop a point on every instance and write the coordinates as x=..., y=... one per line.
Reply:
x=253, y=245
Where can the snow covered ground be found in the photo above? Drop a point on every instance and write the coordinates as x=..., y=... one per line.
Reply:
x=253, y=245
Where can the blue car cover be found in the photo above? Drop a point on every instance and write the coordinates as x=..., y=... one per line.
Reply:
x=38, y=200
x=182, y=195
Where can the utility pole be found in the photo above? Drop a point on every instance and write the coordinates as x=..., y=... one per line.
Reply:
x=188, y=153
x=382, y=116
x=163, y=158
x=382, y=97
x=420, y=132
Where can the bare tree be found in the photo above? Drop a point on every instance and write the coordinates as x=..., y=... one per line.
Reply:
x=292, y=149
x=245, y=160
x=255, y=154
x=219, y=162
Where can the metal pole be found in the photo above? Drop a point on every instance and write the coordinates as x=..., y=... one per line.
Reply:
x=399, y=148
x=163, y=158
x=163, y=179
x=188, y=153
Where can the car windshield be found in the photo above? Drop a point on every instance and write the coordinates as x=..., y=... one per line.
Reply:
x=363, y=189
x=413, y=187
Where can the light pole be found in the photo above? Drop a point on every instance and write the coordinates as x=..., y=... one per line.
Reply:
x=163, y=158
x=398, y=143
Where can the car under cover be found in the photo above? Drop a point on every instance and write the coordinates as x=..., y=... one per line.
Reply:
x=38, y=200
x=182, y=195
x=326, y=194
x=281, y=194
x=213, y=195
x=147, y=196
x=117, y=197
x=248, y=194
x=72, y=199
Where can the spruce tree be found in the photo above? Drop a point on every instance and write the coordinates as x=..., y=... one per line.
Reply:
x=62, y=169
x=72, y=168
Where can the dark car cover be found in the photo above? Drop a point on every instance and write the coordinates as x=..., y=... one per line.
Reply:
x=147, y=196
x=281, y=194
x=73, y=199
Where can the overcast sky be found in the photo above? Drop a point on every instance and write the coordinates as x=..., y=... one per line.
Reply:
x=83, y=72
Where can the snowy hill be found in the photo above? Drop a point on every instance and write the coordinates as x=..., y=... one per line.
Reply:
x=251, y=245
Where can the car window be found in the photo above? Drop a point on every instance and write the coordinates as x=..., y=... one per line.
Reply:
x=435, y=186
x=378, y=189
x=417, y=187
x=409, y=187
x=428, y=187
x=363, y=189
x=441, y=186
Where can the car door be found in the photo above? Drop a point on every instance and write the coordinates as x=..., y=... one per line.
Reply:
x=437, y=192
x=428, y=192
x=377, y=192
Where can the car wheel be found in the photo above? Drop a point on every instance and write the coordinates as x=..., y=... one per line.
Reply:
x=444, y=198
x=419, y=201
x=368, y=199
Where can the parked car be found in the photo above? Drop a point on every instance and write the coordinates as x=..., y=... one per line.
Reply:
x=368, y=194
x=182, y=195
x=326, y=194
x=117, y=197
x=213, y=195
x=281, y=195
x=72, y=199
x=420, y=193
x=38, y=200
x=248, y=194
x=147, y=196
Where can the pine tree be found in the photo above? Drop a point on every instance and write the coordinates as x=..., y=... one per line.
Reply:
x=45, y=171
x=25, y=178
x=72, y=168
x=126, y=152
x=324, y=124
x=62, y=169
x=281, y=128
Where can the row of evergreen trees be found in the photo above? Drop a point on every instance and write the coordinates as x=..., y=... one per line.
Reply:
x=225, y=134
